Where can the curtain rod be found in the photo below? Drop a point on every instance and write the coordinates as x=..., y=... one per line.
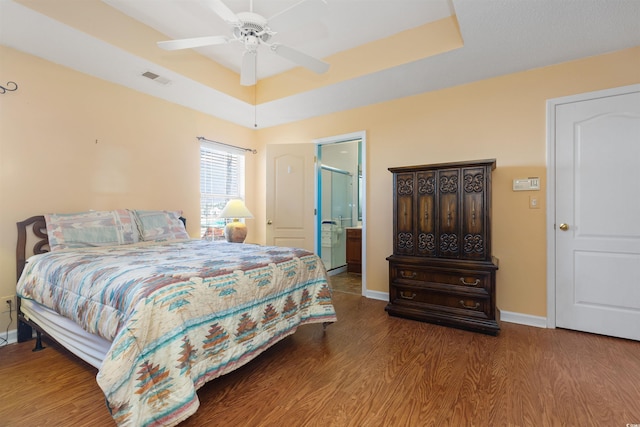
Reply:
x=252, y=150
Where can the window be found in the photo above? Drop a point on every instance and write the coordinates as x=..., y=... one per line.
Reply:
x=221, y=179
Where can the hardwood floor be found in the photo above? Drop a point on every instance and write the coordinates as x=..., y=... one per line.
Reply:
x=369, y=369
x=346, y=282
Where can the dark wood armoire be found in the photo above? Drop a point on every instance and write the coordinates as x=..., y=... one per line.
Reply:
x=442, y=270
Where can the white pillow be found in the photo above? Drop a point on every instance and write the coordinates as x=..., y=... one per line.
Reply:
x=93, y=228
x=160, y=225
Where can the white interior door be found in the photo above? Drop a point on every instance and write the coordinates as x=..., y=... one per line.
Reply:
x=291, y=195
x=597, y=218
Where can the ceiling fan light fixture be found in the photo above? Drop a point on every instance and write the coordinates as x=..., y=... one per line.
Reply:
x=252, y=26
x=251, y=43
x=252, y=20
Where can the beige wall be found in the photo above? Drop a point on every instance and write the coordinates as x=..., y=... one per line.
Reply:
x=502, y=118
x=146, y=155
x=70, y=142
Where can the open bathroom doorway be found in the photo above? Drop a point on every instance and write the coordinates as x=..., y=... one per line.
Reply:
x=341, y=210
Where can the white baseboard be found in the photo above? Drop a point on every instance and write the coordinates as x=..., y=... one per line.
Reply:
x=506, y=316
x=337, y=270
x=382, y=296
x=523, y=319
x=12, y=336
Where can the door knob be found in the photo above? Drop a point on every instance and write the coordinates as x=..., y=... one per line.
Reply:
x=269, y=222
x=564, y=227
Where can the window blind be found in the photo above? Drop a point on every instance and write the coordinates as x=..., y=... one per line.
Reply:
x=221, y=179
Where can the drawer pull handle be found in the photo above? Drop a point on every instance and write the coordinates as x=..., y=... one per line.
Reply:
x=476, y=283
x=407, y=295
x=409, y=275
x=471, y=307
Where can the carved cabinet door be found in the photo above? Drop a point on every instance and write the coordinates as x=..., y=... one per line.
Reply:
x=448, y=218
x=426, y=213
x=404, y=238
x=474, y=213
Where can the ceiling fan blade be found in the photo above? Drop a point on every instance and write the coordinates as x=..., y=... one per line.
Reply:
x=300, y=58
x=306, y=12
x=194, y=42
x=223, y=11
x=248, y=70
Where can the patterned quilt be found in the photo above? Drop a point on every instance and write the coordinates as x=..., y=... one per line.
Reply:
x=179, y=313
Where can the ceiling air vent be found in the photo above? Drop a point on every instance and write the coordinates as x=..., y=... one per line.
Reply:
x=156, y=78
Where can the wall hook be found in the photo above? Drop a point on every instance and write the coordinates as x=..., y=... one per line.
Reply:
x=10, y=87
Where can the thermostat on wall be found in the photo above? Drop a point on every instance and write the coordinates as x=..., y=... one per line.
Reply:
x=527, y=184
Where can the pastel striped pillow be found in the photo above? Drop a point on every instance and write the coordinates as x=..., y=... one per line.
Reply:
x=160, y=225
x=92, y=228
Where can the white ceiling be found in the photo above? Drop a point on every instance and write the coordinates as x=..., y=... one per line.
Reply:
x=316, y=27
x=500, y=37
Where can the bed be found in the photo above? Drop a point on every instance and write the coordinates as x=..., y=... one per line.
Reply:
x=160, y=317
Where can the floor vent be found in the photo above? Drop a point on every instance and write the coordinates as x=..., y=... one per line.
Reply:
x=156, y=78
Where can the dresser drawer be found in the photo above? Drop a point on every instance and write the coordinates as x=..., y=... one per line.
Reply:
x=454, y=280
x=427, y=299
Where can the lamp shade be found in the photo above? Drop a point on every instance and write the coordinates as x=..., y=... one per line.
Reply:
x=235, y=208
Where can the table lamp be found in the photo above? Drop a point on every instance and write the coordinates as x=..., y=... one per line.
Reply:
x=235, y=231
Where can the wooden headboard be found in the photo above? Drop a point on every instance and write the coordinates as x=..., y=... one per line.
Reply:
x=40, y=245
x=38, y=236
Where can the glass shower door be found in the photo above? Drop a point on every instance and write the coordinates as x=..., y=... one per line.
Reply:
x=337, y=213
x=341, y=213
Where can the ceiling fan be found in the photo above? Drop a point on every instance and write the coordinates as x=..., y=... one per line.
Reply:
x=252, y=30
